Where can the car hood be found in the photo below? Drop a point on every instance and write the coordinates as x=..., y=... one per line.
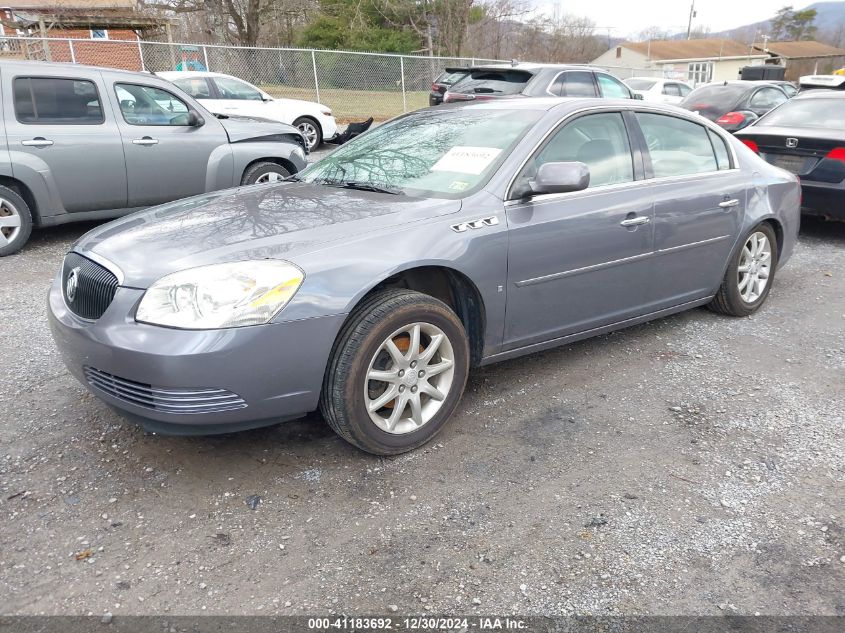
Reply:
x=275, y=221
x=241, y=128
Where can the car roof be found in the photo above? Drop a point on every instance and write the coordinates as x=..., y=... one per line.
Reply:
x=178, y=74
x=531, y=67
x=29, y=64
x=820, y=93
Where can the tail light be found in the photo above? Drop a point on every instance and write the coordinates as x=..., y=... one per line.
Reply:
x=451, y=97
x=751, y=145
x=731, y=118
x=837, y=153
x=435, y=87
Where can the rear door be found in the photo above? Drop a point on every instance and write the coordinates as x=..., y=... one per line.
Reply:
x=60, y=126
x=166, y=158
x=700, y=198
x=580, y=260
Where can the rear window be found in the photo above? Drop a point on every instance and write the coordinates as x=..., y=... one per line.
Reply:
x=809, y=113
x=496, y=82
x=448, y=78
x=55, y=101
x=641, y=84
x=720, y=97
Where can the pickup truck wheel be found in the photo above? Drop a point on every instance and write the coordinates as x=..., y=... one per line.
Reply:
x=397, y=372
x=15, y=222
x=264, y=172
x=310, y=130
x=750, y=274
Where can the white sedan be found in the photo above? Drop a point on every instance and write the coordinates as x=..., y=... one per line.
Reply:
x=224, y=94
x=660, y=90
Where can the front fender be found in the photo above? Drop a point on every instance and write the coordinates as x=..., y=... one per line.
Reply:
x=247, y=152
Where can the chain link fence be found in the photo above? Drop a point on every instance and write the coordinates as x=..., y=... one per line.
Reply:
x=354, y=85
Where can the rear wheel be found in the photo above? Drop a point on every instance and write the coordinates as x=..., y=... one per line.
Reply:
x=310, y=130
x=264, y=172
x=750, y=274
x=397, y=372
x=15, y=222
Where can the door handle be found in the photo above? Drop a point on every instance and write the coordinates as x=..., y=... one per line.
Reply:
x=145, y=141
x=38, y=141
x=643, y=219
x=727, y=204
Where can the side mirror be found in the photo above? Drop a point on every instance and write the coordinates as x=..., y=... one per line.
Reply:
x=560, y=178
x=266, y=97
x=637, y=96
x=194, y=119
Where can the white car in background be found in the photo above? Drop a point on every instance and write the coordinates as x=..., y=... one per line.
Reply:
x=224, y=94
x=660, y=90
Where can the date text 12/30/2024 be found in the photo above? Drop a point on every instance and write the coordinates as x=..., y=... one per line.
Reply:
x=347, y=623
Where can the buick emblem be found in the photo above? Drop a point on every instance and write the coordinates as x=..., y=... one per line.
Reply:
x=71, y=284
x=792, y=142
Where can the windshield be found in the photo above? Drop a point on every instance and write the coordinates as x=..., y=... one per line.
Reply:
x=440, y=154
x=641, y=84
x=809, y=113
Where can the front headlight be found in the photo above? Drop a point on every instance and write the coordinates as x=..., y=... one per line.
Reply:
x=221, y=295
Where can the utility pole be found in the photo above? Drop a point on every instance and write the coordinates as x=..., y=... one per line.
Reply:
x=691, y=16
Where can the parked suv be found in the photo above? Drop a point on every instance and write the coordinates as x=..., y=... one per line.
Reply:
x=85, y=143
x=536, y=80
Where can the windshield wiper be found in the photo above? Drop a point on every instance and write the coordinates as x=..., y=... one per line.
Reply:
x=359, y=186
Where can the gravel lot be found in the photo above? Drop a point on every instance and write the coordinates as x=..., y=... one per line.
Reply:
x=693, y=465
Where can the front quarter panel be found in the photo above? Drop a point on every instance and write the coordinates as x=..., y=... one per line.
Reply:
x=248, y=152
x=340, y=274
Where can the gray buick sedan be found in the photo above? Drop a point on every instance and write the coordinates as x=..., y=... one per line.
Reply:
x=445, y=239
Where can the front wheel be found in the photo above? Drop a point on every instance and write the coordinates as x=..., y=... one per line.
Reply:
x=750, y=274
x=264, y=172
x=310, y=130
x=397, y=372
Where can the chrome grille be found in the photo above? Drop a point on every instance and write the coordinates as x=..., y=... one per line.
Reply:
x=92, y=289
x=189, y=401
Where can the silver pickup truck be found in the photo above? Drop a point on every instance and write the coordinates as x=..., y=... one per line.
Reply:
x=86, y=143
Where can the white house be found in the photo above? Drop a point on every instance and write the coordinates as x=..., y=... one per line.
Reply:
x=695, y=61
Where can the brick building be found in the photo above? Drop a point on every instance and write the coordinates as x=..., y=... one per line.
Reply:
x=106, y=24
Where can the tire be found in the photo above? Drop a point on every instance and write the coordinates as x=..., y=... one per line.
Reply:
x=15, y=222
x=361, y=350
x=311, y=130
x=262, y=172
x=736, y=299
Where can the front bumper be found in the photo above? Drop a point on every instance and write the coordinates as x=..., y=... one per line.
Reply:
x=275, y=369
x=823, y=199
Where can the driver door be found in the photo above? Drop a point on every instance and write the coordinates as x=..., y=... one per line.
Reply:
x=166, y=159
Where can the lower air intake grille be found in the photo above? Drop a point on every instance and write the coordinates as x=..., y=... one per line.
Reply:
x=188, y=401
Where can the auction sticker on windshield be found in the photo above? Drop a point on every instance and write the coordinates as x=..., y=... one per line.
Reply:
x=467, y=160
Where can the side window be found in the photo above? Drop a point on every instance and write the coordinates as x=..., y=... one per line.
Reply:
x=197, y=87
x=145, y=105
x=574, y=83
x=612, y=88
x=723, y=158
x=598, y=140
x=234, y=89
x=54, y=101
x=767, y=98
x=677, y=147
x=672, y=90
x=685, y=90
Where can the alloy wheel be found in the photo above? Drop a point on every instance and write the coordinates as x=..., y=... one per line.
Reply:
x=10, y=222
x=409, y=378
x=271, y=176
x=309, y=132
x=755, y=263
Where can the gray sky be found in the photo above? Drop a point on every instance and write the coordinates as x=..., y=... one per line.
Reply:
x=629, y=16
